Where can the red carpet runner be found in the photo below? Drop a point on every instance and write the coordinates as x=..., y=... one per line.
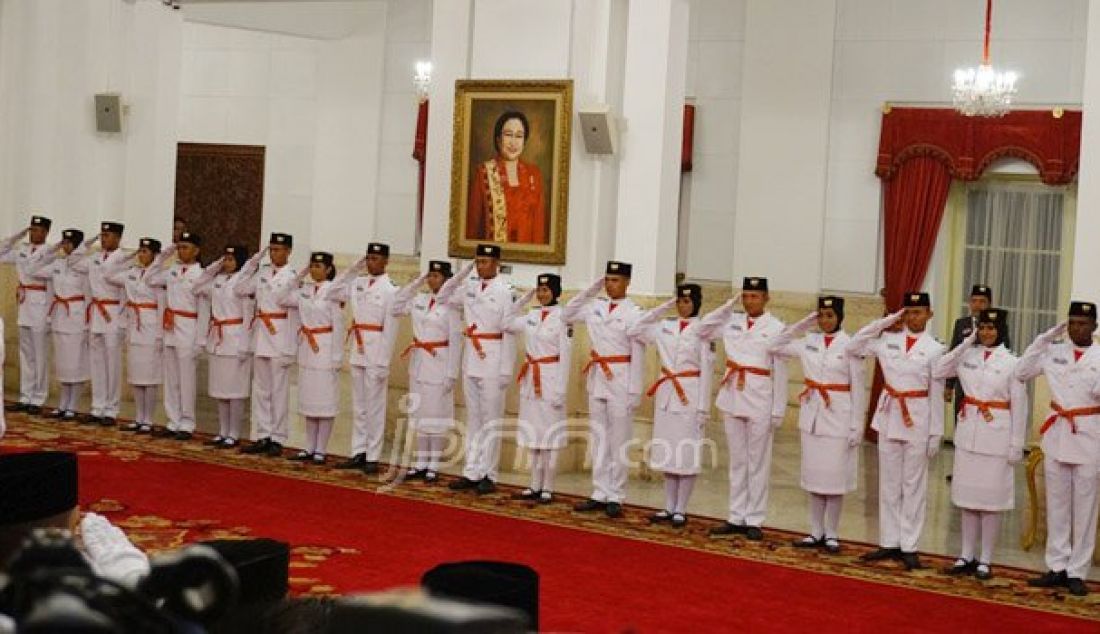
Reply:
x=350, y=540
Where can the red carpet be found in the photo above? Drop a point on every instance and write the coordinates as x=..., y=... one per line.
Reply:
x=351, y=540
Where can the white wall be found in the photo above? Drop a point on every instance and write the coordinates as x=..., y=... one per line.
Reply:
x=315, y=104
x=54, y=56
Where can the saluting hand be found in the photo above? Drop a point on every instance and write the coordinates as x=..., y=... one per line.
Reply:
x=806, y=322
x=1053, y=333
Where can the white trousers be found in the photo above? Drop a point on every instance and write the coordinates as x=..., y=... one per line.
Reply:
x=1071, y=516
x=271, y=398
x=33, y=364
x=902, y=493
x=750, y=463
x=368, y=404
x=611, y=423
x=105, y=358
x=180, y=376
x=484, y=427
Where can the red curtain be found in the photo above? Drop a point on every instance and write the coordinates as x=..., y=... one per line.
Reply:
x=420, y=153
x=688, y=142
x=914, y=202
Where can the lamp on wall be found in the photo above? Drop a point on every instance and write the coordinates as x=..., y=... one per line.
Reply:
x=983, y=91
x=422, y=79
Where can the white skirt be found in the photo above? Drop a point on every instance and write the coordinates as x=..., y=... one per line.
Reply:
x=982, y=483
x=828, y=465
x=541, y=425
x=230, y=377
x=431, y=408
x=70, y=357
x=318, y=392
x=677, y=444
x=144, y=364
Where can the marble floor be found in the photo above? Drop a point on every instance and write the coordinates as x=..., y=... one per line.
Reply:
x=787, y=506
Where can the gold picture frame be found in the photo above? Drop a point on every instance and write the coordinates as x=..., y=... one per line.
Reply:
x=509, y=188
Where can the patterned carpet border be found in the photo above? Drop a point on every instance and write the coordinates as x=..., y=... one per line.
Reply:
x=1007, y=588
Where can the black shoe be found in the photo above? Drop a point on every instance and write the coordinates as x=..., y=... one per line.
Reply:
x=832, y=546
x=301, y=456
x=17, y=407
x=414, y=474
x=679, y=520
x=227, y=443
x=132, y=427
x=545, y=497
x=257, y=447
x=319, y=459
x=728, y=528
x=108, y=421
x=660, y=517
x=983, y=572
x=68, y=416
x=274, y=449
x=370, y=467
x=1050, y=579
x=589, y=505
x=911, y=561
x=215, y=441
x=613, y=510
x=462, y=484
x=145, y=428
x=181, y=435
x=57, y=414
x=1077, y=587
x=754, y=533
x=163, y=432
x=526, y=494
x=33, y=410
x=431, y=477
x=961, y=567
x=809, y=541
x=355, y=462
x=486, y=486
x=92, y=420
x=881, y=554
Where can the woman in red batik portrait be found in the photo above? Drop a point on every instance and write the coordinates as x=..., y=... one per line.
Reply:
x=507, y=201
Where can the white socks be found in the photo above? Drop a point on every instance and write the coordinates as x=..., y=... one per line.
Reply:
x=678, y=491
x=230, y=416
x=542, y=469
x=825, y=515
x=70, y=394
x=145, y=403
x=991, y=525
x=318, y=431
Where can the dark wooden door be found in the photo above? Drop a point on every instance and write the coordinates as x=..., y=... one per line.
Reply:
x=220, y=193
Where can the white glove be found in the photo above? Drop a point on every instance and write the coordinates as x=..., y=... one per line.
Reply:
x=448, y=384
x=1057, y=331
x=557, y=400
x=111, y=553
x=854, y=437
x=934, y=446
x=805, y=323
x=777, y=422
x=1015, y=455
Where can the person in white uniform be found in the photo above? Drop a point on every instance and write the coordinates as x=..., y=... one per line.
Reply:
x=989, y=437
x=752, y=397
x=614, y=371
x=681, y=395
x=105, y=315
x=1070, y=443
x=909, y=420
x=228, y=348
x=144, y=290
x=33, y=297
x=275, y=343
x=435, y=357
x=372, y=332
x=543, y=383
x=68, y=326
x=487, y=365
x=185, y=323
x=320, y=353
x=830, y=416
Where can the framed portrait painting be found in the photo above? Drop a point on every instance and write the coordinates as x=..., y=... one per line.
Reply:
x=510, y=168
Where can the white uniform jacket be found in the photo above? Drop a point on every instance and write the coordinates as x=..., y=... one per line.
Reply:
x=436, y=351
x=547, y=352
x=186, y=315
x=143, y=302
x=69, y=288
x=484, y=306
x=754, y=383
x=275, y=326
x=229, y=333
x=33, y=292
x=373, y=328
x=687, y=360
x=320, y=340
x=1074, y=384
x=822, y=367
x=106, y=303
x=993, y=418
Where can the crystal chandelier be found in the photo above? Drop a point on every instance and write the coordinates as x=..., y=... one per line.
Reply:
x=983, y=91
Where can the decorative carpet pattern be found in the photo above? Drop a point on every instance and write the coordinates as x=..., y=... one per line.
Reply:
x=315, y=564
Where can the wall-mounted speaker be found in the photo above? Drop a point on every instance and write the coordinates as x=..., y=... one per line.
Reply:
x=108, y=112
x=598, y=129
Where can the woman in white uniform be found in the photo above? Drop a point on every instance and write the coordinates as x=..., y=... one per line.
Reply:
x=144, y=283
x=228, y=347
x=681, y=395
x=68, y=326
x=989, y=437
x=543, y=383
x=830, y=416
x=435, y=356
x=320, y=353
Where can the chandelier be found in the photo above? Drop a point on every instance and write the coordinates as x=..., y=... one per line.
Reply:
x=983, y=91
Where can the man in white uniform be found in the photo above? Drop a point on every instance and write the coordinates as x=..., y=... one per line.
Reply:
x=615, y=370
x=372, y=333
x=487, y=368
x=909, y=421
x=752, y=397
x=275, y=346
x=33, y=295
x=105, y=313
x=1071, y=444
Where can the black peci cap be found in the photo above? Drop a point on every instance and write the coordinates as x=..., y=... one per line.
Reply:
x=615, y=267
x=917, y=300
x=36, y=485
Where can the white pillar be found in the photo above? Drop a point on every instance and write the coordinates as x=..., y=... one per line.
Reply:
x=649, y=168
x=1086, y=257
x=786, y=92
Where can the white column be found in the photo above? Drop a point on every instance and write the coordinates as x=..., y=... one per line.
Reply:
x=1086, y=257
x=786, y=91
x=649, y=168
x=450, y=61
